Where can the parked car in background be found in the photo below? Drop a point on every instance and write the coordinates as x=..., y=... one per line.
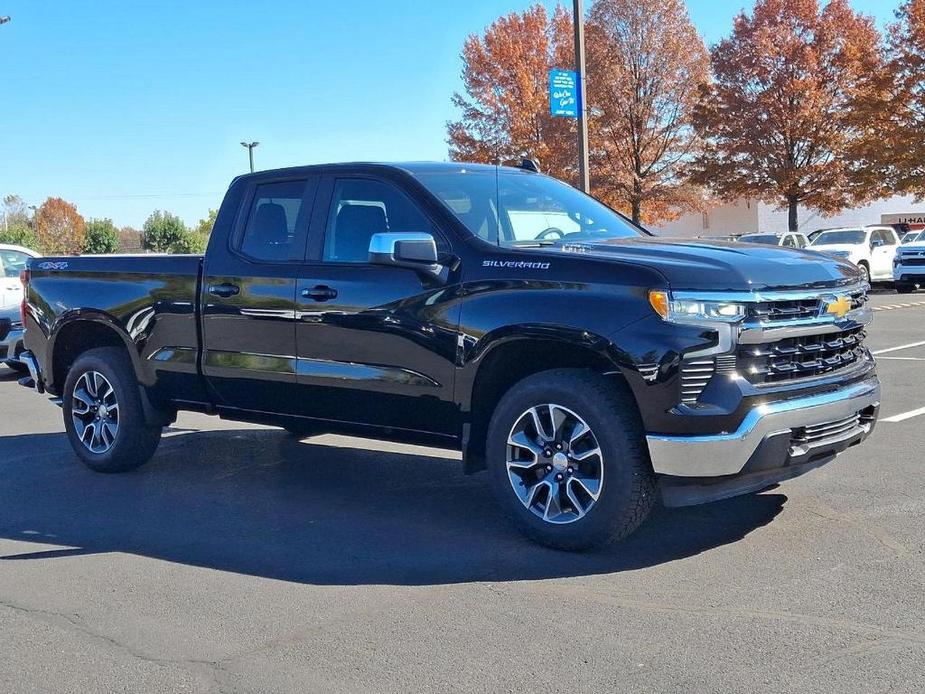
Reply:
x=788, y=239
x=12, y=261
x=912, y=236
x=11, y=334
x=870, y=248
x=909, y=266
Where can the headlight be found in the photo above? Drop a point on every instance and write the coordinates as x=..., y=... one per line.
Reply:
x=694, y=310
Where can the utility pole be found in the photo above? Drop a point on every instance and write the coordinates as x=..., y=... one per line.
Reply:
x=578, y=19
x=250, y=152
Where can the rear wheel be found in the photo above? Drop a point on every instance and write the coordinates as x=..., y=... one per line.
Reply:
x=567, y=455
x=103, y=414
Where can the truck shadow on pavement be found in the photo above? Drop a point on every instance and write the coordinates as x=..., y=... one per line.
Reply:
x=261, y=503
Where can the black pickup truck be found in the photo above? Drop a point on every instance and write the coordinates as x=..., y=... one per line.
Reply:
x=590, y=367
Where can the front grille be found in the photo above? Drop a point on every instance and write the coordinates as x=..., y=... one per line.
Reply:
x=912, y=261
x=772, y=313
x=826, y=431
x=776, y=311
x=801, y=357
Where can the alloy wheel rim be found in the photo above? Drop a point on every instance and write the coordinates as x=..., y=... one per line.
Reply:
x=555, y=464
x=95, y=412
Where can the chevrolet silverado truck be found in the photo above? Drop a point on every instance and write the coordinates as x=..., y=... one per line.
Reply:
x=590, y=367
x=909, y=267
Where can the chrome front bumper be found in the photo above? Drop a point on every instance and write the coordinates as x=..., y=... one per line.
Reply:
x=727, y=454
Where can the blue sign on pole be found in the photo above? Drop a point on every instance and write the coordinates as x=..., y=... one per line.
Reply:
x=563, y=93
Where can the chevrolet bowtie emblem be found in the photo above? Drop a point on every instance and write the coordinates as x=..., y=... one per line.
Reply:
x=839, y=307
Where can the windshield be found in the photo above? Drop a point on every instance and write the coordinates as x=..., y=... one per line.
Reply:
x=760, y=238
x=911, y=236
x=514, y=208
x=843, y=236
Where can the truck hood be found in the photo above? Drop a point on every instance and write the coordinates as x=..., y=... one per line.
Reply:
x=851, y=248
x=721, y=266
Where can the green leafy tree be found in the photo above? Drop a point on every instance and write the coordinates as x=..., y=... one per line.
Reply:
x=162, y=231
x=19, y=235
x=204, y=227
x=191, y=242
x=100, y=237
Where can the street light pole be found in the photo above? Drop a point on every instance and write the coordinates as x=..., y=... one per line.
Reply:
x=578, y=19
x=250, y=152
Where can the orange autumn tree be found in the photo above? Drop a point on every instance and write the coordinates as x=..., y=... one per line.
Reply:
x=778, y=116
x=59, y=228
x=505, y=109
x=897, y=143
x=646, y=63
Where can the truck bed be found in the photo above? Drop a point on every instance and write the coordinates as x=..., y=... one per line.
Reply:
x=153, y=298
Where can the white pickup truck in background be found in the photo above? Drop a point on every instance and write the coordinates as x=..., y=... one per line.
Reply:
x=12, y=261
x=909, y=267
x=871, y=248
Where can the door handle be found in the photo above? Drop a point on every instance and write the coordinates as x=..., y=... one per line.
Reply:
x=224, y=290
x=320, y=293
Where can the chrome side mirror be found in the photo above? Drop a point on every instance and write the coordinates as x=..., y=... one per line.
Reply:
x=414, y=250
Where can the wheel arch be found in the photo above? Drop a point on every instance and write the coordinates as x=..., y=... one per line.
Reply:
x=76, y=334
x=501, y=360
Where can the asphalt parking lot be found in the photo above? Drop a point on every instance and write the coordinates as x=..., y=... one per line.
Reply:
x=240, y=559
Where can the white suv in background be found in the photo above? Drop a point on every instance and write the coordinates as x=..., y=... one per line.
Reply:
x=870, y=248
x=12, y=261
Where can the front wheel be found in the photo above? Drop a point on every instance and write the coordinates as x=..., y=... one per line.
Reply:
x=865, y=271
x=103, y=414
x=567, y=454
x=903, y=288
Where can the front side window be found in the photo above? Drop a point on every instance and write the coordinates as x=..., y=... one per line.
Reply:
x=518, y=208
x=362, y=207
x=270, y=232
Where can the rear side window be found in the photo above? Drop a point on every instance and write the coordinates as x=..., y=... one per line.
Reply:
x=271, y=227
x=363, y=207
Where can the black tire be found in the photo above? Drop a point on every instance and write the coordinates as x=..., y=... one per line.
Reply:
x=135, y=441
x=627, y=489
x=865, y=271
x=903, y=288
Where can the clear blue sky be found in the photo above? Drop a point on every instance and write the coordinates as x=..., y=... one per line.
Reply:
x=123, y=107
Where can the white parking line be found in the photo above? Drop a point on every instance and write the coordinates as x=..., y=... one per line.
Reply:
x=901, y=359
x=904, y=416
x=896, y=349
x=893, y=307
